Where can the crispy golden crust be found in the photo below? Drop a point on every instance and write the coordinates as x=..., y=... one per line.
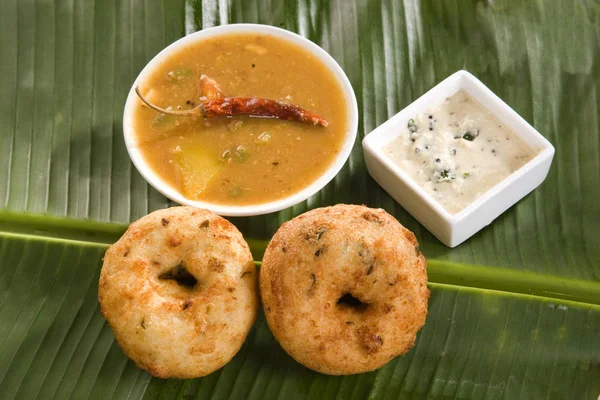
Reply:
x=173, y=329
x=333, y=253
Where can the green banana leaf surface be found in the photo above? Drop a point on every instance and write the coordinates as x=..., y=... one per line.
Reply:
x=514, y=311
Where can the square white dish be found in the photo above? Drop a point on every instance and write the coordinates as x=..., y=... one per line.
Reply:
x=453, y=229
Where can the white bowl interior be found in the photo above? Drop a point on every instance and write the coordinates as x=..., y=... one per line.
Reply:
x=155, y=181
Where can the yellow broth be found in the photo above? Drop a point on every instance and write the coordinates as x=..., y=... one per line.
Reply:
x=241, y=160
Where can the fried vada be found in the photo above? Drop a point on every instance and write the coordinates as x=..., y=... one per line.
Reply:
x=344, y=289
x=179, y=290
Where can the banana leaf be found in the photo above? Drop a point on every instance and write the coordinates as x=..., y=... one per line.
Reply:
x=514, y=311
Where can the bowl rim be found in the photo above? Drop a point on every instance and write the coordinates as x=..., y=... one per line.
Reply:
x=525, y=132
x=253, y=209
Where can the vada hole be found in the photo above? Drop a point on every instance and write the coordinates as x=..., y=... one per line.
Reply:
x=348, y=300
x=180, y=275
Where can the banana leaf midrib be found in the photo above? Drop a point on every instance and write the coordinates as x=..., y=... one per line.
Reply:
x=482, y=277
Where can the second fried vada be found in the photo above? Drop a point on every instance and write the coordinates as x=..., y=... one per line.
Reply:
x=344, y=289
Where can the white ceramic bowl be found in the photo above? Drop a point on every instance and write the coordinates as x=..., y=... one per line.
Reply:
x=452, y=230
x=153, y=179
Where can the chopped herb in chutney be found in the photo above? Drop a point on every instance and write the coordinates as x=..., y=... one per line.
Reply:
x=470, y=135
x=412, y=128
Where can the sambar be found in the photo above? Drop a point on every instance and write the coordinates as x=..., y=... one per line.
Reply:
x=241, y=160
